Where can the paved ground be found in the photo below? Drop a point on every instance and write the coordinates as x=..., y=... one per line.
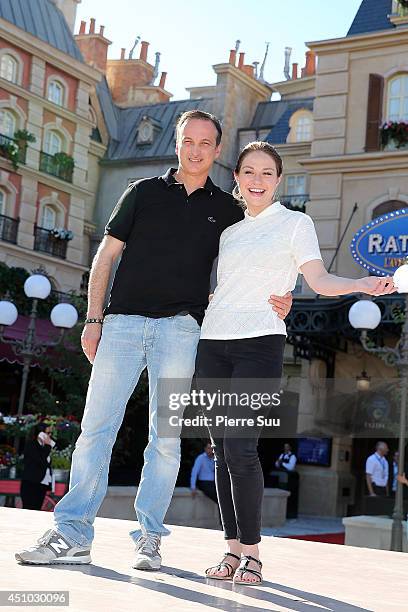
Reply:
x=298, y=576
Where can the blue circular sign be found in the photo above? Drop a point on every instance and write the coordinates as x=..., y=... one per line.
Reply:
x=381, y=246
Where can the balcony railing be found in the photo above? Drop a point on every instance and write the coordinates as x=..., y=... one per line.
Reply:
x=295, y=202
x=50, y=166
x=45, y=242
x=8, y=229
x=5, y=141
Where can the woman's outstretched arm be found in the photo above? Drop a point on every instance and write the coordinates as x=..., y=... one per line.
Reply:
x=324, y=283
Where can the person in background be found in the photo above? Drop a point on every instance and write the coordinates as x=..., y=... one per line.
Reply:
x=203, y=474
x=287, y=460
x=377, y=471
x=37, y=474
x=394, y=472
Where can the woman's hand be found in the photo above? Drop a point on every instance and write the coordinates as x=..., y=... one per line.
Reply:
x=375, y=285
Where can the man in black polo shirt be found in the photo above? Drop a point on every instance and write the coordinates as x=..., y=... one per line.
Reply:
x=166, y=230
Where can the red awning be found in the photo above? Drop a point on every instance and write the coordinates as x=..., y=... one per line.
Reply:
x=44, y=331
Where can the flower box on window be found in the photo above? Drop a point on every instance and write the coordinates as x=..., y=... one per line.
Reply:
x=394, y=134
x=61, y=234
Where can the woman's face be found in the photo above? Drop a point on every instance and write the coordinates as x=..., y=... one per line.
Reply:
x=257, y=180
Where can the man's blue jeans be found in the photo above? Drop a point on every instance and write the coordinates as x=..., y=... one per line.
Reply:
x=129, y=343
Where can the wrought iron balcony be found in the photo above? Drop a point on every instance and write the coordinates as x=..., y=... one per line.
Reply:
x=295, y=201
x=49, y=165
x=8, y=229
x=45, y=242
x=5, y=141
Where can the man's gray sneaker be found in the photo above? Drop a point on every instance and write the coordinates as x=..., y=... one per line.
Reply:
x=147, y=552
x=52, y=548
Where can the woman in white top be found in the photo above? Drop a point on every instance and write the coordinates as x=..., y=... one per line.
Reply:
x=243, y=338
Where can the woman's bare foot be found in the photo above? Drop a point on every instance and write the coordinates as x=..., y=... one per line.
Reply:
x=224, y=571
x=243, y=576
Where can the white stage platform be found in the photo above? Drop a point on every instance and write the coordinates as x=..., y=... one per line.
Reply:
x=298, y=575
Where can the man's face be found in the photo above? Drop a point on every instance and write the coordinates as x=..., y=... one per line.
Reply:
x=208, y=449
x=286, y=448
x=383, y=449
x=196, y=146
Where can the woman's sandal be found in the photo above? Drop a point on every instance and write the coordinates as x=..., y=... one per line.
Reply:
x=243, y=567
x=223, y=564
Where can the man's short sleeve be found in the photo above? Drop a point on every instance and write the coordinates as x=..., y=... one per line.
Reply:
x=369, y=466
x=123, y=215
x=305, y=245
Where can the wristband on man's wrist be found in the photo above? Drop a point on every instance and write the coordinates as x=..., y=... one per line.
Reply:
x=93, y=321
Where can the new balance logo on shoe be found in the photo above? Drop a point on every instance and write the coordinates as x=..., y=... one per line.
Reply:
x=59, y=546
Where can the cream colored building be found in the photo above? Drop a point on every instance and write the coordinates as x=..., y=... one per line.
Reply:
x=361, y=81
x=45, y=89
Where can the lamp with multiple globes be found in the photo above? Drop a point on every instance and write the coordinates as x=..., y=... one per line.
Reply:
x=63, y=317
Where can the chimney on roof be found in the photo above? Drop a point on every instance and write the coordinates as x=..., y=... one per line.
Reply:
x=163, y=80
x=122, y=53
x=143, y=50
x=93, y=45
x=132, y=80
x=241, y=60
x=310, y=68
x=232, y=57
x=294, y=71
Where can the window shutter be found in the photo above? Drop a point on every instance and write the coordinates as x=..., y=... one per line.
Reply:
x=374, y=112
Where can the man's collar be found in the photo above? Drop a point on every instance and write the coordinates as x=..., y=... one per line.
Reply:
x=169, y=179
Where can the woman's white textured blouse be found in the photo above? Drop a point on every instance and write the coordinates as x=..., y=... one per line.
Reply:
x=258, y=256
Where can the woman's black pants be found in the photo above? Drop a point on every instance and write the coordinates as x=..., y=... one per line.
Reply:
x=32, y=494
x=238, y=472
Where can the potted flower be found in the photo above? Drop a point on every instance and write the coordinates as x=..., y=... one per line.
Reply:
x=61, y=463
x=65, y=164
x=10, y=151
x=394, y=134
x=7, y=460
x=22, y=138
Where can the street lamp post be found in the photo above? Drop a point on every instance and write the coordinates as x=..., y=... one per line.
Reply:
x=365, y=315
x=63, y=316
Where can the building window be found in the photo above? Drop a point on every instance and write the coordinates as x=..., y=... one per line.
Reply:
x=56, y=92
x=387, y=207
x=53, y=142
x=49, y=217
x=398, y=99
x=2, y=202
x=9, y=68
x=296, y=184
x=303, y=129
x=7, y=123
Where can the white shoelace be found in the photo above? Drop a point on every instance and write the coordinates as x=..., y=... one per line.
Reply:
x=148, y=543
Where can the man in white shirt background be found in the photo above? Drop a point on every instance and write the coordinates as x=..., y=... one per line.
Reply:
x=287, y=460
x=377, y=471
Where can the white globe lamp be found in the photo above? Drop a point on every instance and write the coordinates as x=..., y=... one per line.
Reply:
x=64, y=315
x=37, y=286
x=364, y=314
x=8, y=313
x=400, y=279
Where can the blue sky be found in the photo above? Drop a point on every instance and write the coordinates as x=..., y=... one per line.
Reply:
x=193, y=36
